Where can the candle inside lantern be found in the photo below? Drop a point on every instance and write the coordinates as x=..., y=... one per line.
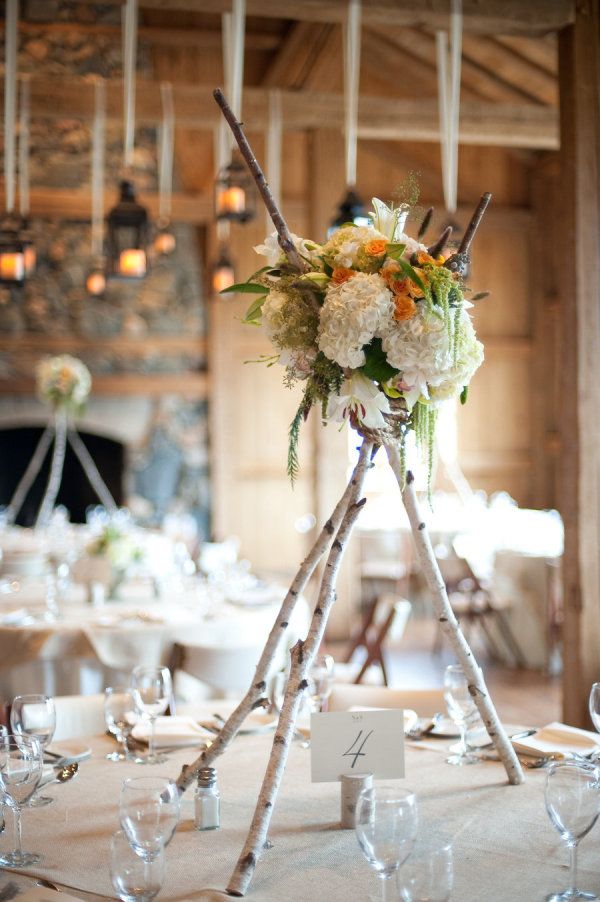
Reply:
x=132, y=263
x=12, y=266
x=223, y=277
x=231, y=200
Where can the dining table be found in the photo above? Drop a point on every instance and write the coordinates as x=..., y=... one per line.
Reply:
x=504, y=847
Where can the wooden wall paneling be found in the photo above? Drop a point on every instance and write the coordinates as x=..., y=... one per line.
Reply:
x=579, y=251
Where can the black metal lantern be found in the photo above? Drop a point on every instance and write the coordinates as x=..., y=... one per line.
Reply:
x=127, y=237
x=351, y=210
x=223, y=274
x=12, y=254
x=235, y=200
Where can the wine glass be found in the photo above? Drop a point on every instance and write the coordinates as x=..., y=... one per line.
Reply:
x=149, y=812
x=21, y=764
x=386, y=826
x=428, y=875
x=135, y=879
x=573, y=805
x=152, y=692
x=320, y=681
x=594, y=705
x=461, y=708
x=35, y=715
x=120, y=716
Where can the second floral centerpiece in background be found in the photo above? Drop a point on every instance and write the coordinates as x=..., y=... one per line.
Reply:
x=377, y=328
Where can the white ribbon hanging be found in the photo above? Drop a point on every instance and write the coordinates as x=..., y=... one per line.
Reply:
x=238, y=27
x=448, y=66
x=167, y=141
x=98, y=142
x=130, y=21
x=351, y=85
x=10, y=100
x=274, y=139
x=24, y=149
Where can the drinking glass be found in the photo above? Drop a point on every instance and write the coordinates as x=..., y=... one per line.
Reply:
x=152, y=692
x=21, y=760
x=428, y=875
x=594, y=705
x=573, y=804
x=120, y=715
x=386, y=826
x=135, y=879
x=320, y=682
x=461, y=708
x=34, y=715
x=149, y=813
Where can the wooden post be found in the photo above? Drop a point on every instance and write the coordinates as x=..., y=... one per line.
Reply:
x=579, y=253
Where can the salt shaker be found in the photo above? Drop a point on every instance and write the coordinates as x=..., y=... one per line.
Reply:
x=207, y=801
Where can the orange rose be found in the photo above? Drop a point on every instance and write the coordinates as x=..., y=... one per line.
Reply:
x=341, y=274
x=422, y=258
x=389, y=272
x=376, y=247
x=413, y=288
x=405, y=307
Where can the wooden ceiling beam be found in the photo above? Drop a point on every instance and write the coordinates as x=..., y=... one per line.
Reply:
x=504, y=65
x=543, y=52
x=534, y=17
x=296, y=55
x=527, y=125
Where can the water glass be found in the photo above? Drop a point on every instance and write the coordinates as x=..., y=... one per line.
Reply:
x=386, y=827
x=149, y=813
x=35, y=715
x=428, y=875
x=152, y=690
x=120, y=716
x=461, y=709
x=573, y=805
x=594, y=705
x=320, y=682
x=21, y=761
x=135, y=879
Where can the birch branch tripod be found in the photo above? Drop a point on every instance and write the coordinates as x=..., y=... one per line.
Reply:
x=335, y=535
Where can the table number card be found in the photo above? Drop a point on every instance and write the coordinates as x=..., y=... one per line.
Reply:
x=357, y=742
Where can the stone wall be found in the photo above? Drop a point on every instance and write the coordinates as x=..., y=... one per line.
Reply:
x=168, y=459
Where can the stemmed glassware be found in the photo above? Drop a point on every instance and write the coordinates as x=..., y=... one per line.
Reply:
x=149, y=813
x=34, y=715
x=152, y=690
x=428, y=875
x=594, y=705
x=121, y=716
x=134, y=878
x=320, y=682
x=21, y=760
x=573, y=805
x=461, y=708
x=386, y=827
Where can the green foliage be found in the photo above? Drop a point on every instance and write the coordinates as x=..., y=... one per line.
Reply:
x=254, y=312
x=408, y=270
x=395, y=251
x=407, y=192
x=376, y=366
x=464, y=394
x=244, y=288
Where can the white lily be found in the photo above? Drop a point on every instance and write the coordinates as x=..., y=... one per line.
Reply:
x=388, y=220
x=359, y=396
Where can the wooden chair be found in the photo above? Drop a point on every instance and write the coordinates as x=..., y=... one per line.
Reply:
x=385, y=623
x=227, y=671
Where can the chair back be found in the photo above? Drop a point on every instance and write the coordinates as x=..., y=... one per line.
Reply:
x=390, y=618
x=227, y=670
x=425, y=702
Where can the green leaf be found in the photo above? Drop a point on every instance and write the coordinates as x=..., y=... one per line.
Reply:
x=480, y=296
x=328, y=270
x=259, y=272
x=412, y=274
x=395, y=251
x=254, y=311
x=244, y=288
x=376, y=366
x=464, y=394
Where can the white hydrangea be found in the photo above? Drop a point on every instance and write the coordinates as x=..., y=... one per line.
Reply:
x=273, y=319
x=353, y=313
x=470, y=358
x=271, y=249
x=344, y=244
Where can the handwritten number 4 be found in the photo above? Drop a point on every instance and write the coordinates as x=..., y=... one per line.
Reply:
x=357, y=753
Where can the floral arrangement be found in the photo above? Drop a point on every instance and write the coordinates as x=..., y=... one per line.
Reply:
x=377, y=328
x=64, y=382
x=117, y=546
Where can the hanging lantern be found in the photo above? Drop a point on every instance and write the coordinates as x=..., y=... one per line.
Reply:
x=164, y=240
x=351, y=210
x=127, y=236
x=29, y=251
x=223, y=274
x=234, y=194
x=12, y=254
x=95, y=282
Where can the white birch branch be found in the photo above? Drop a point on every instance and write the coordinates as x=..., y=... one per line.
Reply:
x=91, y=471
x=449, y=624
x=56, y=469
x=28, y=478
x=254, y=696
x=302, y=656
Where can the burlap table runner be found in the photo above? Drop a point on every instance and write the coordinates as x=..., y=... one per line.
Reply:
x=504, y=845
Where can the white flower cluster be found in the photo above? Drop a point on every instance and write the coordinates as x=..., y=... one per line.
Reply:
x=63, y=381
x=271, y=249
x=345, y=243
x=352, y=315
x=273, y=319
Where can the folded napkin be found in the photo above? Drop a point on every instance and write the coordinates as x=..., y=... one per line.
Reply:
x=14, y=618
x=558, y=739
x=176, y=730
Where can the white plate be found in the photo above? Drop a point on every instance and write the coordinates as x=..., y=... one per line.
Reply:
x=71, y=749
x=444, y=729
